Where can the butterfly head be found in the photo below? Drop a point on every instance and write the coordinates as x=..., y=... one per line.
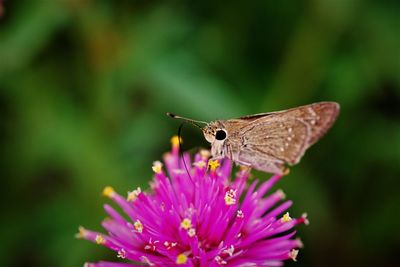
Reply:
x=215, y=134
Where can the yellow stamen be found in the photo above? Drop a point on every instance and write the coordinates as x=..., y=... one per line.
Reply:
x=132, y=196
x=138, y=226
x=82, y=232
x=100, y=240
x=293, y=254
x=186, y=224
x=157, y=166
x=181, y=259
x=108, y=191
x=286, y=217
x=230, y=197
x=229, y=200
x=213, y=164
x=175, y=141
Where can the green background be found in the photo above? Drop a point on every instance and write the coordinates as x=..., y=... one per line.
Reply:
x=84, y=87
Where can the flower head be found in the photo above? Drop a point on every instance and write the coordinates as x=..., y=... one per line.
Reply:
x=199, y=217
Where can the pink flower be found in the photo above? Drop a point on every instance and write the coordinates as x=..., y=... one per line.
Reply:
x=205, y=219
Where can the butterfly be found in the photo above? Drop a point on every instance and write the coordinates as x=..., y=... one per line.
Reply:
x=269, y=141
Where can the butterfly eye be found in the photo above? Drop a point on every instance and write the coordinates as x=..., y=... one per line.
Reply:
x=220, y=135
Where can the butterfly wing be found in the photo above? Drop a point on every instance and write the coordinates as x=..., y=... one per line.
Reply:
x=275, y=137
x=318, y=116
x=269, y=140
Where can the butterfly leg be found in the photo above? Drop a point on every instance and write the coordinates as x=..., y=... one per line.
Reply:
x=242, y=163
x=246, y=166
x=262, y=162
x=233, y=155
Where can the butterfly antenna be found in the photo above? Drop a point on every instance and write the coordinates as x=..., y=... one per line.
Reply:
x=193, y=122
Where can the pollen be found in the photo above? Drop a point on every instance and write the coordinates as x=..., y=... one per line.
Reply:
x=81, y=233
x=157, y=166
x=181, y=259
x=108, y=191
x=229, y=200
x=170, y=245
x=100, y=240
x=186, y=224
x=213, y=164
x=229, y=250
x=191, y=232
x=230, y=197
x=293, y=254
x=175, y=140
x=240, y=214
x=286, y=217
x=121, y=253
x=219, y=260
x=152, y=245
x=138, y=226
x=132, y=196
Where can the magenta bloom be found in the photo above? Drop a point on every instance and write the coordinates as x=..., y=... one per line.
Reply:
x=205, y=219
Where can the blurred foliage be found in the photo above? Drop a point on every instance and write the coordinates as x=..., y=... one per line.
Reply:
x=84, y=87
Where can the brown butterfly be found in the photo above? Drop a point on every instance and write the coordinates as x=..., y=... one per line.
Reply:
x=269, y=141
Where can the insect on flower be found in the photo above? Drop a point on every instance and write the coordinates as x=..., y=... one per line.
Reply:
x=269, y=141
x=205, y=219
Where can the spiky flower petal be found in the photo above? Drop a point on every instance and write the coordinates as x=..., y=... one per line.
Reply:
x=200, y=218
